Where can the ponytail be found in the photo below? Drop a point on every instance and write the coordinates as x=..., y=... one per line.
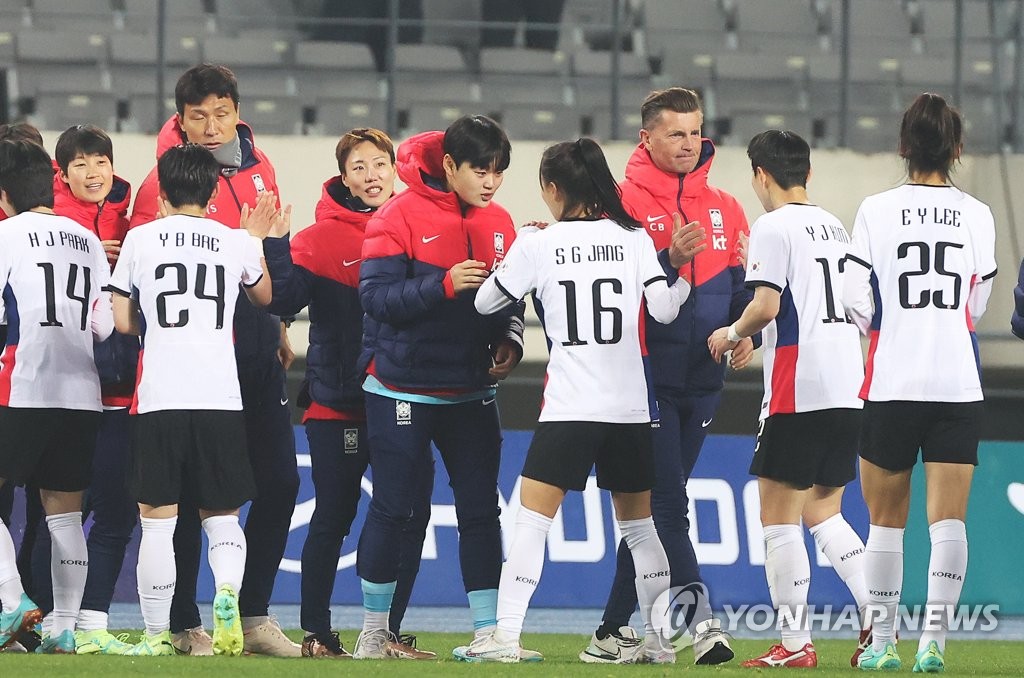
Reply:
x=580, y=171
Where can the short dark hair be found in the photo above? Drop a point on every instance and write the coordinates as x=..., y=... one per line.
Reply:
x=931, y=134
x=478, y=140
x=354, y=137
x=26, y=175
x=678, y=99
x=199, y=82
x=82, y=140
x=786, y=156
x=20, y=131
x=188, y=174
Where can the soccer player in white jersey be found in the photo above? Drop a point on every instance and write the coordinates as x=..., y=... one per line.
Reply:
x=53, y=274
x=175, y=285
x=590, y=270
x=918, y=278
x=809, y=424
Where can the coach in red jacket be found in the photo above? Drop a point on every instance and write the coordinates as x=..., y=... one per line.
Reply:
x=668, y=173
x=207, y=101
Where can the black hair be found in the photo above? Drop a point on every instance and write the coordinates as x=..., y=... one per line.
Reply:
x=20, y=131
x=199, y=82
x=82, y=140
x=783, y=155
x=26, y=175
x=478, y=140
x=580, y=171
x=188, y=174
x=931, y=134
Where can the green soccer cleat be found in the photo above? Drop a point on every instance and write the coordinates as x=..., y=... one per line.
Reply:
x=886, y=660
x=156, y=645
x=101, y=641
x=228, y=638
x=930, y=660
x=63, y=643
x=21, y=620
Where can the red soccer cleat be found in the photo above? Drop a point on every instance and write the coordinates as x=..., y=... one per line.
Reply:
x=862, y=644
x=779, y=657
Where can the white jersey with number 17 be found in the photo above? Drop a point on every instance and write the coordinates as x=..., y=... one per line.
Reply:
x=184, y=273
x=52, y=272
x=812, y=356
x=917, y=255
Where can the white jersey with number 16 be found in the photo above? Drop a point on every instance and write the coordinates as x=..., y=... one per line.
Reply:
x=590, y=277
x=184, y=273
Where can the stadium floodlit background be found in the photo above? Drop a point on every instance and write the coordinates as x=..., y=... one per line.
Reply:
x=838, y=72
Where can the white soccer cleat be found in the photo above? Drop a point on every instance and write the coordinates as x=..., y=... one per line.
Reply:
x=485, y=648
x=621, y=647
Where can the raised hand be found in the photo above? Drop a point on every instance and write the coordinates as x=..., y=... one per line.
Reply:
x=687, y=241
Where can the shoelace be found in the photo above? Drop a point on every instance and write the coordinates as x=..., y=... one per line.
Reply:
x=122, y=637
x=331, y=641
x=408, y=640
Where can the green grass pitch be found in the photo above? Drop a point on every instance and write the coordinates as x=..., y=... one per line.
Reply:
x=963, y=658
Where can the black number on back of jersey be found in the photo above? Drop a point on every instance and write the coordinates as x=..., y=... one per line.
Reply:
x=572, y=321
x=936, y=298
x=181, y=287
x=50, y=284
x=830, y=300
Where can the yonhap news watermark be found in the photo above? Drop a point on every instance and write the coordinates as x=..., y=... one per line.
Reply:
x=679, y=610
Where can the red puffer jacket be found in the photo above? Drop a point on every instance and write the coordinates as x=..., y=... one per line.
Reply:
x=680, y=360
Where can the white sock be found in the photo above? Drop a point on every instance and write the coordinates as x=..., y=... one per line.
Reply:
x=227, y=550
x=69, y=568
x=883, y=577
x=521, y=573
x=844, y=549
x=375, y=621
x=652, y=574
x=788, y=571
x=10, y=582
x=92, y=620
x=947, y=568
x=156, y=573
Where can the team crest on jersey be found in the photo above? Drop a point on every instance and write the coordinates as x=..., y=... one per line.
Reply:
x=499, y=243
x=257, y=181
x=719, y=240
x=351, y=440
x=403, y=413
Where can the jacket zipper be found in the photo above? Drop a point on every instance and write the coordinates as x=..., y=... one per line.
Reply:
x=693, y=268
x=234, y=195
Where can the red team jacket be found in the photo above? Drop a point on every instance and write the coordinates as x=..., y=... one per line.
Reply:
x=257, y=333
x=679, y=356
x=117, y=357
x=418, y=334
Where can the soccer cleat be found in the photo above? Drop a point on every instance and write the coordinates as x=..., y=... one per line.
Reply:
x=529, y=656
x=101, y=641
x=195, y=641
x=62, y=643
x=269, y=640
x=711, y=644
x=377, y=644
x=618, y=647
x=930, y=659
x=156, y=645
x=485, y=648
x=228, y=638
x=657, y=655
x=405, y=646
x=779, y=656
x=886, y=660
x=324, y=645
x=18, y=622
x=15, y=648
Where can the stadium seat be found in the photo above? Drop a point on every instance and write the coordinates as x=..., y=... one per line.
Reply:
x=666, y=22
x=93, y=16
x=327, y=69
x=429, y=59
x=597, y=123
x=337, y=116
x=777, y=17
x=588, y=63
x=60, y=77
x=270, y=114
x=442, y=27
x=142, y=112
x=60, y=47
x=542, y=123
x=59, y=110
x=241, y=52
x=140, y=48
x=497, y=60
x=183, y=16
x=424, y=116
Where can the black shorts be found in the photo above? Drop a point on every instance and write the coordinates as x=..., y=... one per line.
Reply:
x=808, y=448
x=198, y=457
x=50, y=449
x=563, y=452
x=894, y=431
